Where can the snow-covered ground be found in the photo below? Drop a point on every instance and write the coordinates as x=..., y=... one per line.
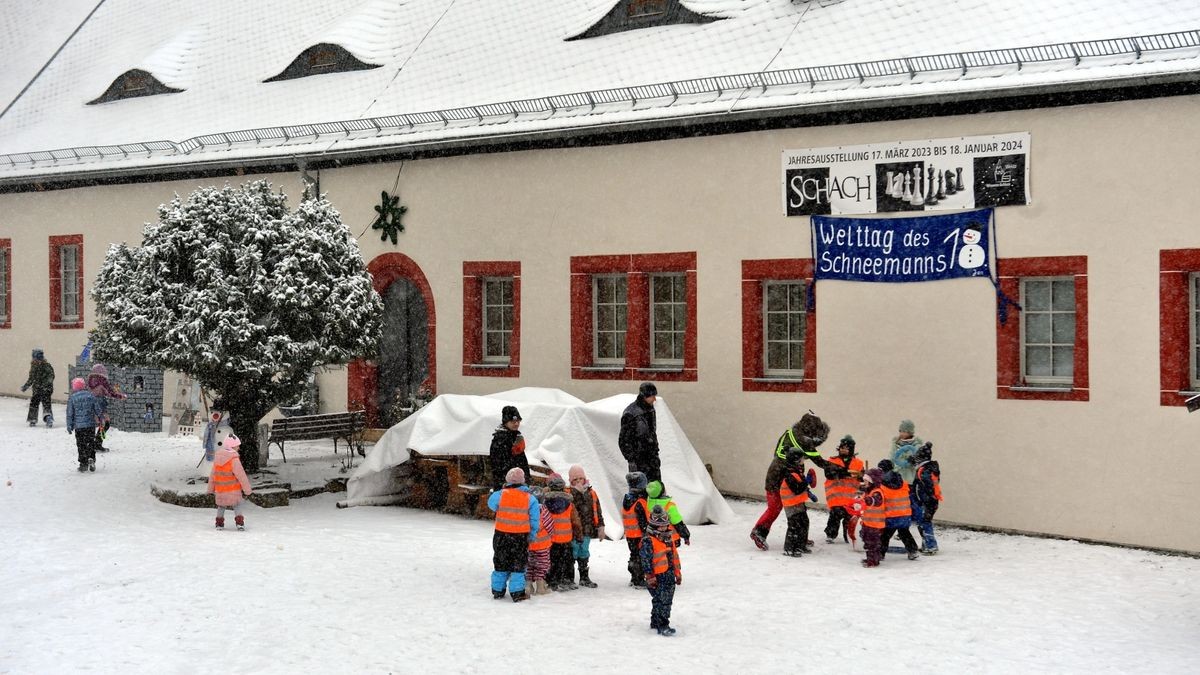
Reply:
x=99, y=576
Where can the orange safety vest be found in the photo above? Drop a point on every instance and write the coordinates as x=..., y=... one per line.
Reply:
x=840, y=491
x=562, y=534
x=595, y=508
x=937, y=483
x=660, y=549
x=790, y=498
x=895, y=501
x=224, y=479
x=874, y=516
x=541, y=540
x=629, y=517
x=513, y=514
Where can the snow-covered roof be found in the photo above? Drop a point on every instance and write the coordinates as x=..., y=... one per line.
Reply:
x=457, y=70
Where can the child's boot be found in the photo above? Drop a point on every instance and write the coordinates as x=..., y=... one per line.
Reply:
x=583, y=574
x=240, y=521
x=518, y=596
x=220, y=523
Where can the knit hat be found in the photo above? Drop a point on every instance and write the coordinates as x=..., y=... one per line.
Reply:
x=647, y=389
x=923, y=453
x=886, y=465
x=847, y=441
x=515, y=476
x=658, y=517
x=555, y=481
x=508, y=414
x=39, y=354
x=575, y=473
x=907, y=427
x=636, y=480
x=78, y=384
x=874, y=475
x=99, y=369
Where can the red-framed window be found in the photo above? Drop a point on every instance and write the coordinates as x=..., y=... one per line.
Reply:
x=779, y=328
x=1042, y=350
x=5, y=283
x=66, y=281
x=633, y=316
x=492, y=318
x=1178, y=325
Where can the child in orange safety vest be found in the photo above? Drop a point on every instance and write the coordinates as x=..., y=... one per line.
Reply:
x=228, y=481
x=842, y=476
x=565, y=532
x=635, y=516
x=874, y=519
x=897, y=508
x=517, y=515
x=660, y=560
x=794, y=495
x=538, y=562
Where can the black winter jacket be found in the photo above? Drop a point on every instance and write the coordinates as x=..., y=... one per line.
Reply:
x=507, y=451
x=638, y=439
x=923, y=483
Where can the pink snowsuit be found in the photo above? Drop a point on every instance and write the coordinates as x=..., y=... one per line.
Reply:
x=234, y=497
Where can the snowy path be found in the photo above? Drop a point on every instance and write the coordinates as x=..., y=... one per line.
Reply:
x=100, y=577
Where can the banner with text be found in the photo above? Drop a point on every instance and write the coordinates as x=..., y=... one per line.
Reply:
x=925, y=248
x=942, y=174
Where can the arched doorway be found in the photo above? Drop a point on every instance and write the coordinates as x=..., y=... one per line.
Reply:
x=407, y=360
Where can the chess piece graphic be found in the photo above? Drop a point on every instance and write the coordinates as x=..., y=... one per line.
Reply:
x=890, y=190
x=931, y=196
x=918, y=193
x=958, y=184
x=950, y=189
x=941, y=191
x=907, y=194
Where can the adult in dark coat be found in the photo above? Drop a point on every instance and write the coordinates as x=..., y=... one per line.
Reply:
x=508, y=447
x=638, y=439
x=41, y=380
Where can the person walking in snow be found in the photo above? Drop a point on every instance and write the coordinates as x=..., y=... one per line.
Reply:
x=98, y=383
x=897, y=509
x=794, y=495
x=228, y=481
x=806, y=434
x=508, y=447
x=83, y=416
x=635, y=516
x=591, y=519
x=660, y=560
x=538, y=561
x=655, y=497
x=41, y=380
x=518, y=516
x=927, y=494
x=904, y=445
x=843, y=473
x=638, y=437
x=874, y=517
x=566, y=531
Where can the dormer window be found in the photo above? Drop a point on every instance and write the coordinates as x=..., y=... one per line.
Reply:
x=321, y=59
x=635, y=14
x=132, y=84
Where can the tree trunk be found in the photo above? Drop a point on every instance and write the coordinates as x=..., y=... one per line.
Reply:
x=245, y=414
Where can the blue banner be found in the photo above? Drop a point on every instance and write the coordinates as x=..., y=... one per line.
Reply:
x=902, y=249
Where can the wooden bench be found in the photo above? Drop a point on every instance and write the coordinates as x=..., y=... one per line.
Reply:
x=347, y=426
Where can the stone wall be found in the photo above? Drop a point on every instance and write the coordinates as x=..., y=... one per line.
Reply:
x=143, y=386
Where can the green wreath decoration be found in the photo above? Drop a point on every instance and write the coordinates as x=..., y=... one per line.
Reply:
x=389, y=213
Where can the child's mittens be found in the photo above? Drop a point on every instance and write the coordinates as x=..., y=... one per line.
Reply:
x=678, y=579
x=651, y=581
x=600, y=533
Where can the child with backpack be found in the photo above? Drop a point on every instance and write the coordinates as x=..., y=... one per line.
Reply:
x=794, y=495
x=565, y=532
x=927, y=494
x=635, y=516
x=591, y=519
x=897, y=506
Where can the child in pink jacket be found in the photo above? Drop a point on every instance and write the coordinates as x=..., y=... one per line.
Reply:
x=228, y=481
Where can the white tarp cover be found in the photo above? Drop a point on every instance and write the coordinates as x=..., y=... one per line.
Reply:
x=560, y=430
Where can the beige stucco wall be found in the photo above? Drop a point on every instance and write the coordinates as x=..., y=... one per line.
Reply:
x=1108, y=182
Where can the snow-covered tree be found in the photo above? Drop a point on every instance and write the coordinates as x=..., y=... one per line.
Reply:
x=244, y=295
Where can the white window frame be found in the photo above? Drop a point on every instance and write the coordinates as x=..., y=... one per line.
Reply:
x=789, y=373
x=68, y=287
x=1050, y=380
x=1194, y=330
x=678, y=333
x=622, y=332
x=506, y=327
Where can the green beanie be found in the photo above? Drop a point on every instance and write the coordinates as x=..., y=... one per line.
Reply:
x=654, y=489
x=907, y=427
